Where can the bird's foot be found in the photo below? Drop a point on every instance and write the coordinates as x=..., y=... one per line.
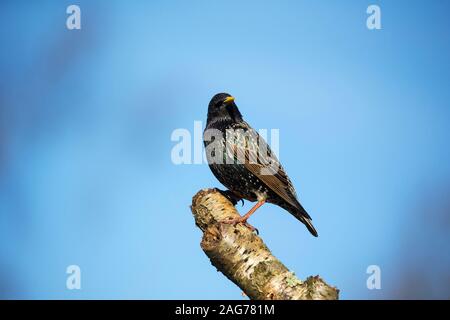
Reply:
x=235, y=221
x=234, y=199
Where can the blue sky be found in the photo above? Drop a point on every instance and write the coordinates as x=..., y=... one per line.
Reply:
x=86, y=176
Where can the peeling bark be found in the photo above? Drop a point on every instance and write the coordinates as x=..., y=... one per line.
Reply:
x=243, y=258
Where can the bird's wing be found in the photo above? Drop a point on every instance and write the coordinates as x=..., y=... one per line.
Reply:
x=254, y=153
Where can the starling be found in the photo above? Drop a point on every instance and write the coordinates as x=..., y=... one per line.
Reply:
x=243, y=162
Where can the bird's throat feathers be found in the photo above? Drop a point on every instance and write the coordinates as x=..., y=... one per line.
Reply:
x=227, y=115
x=234, y=112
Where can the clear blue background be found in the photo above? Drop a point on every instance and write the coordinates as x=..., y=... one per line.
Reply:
x=86, y=117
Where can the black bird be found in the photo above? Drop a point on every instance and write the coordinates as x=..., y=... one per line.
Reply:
x=243, y=162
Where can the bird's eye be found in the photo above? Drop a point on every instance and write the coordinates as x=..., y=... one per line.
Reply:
x=219, y=103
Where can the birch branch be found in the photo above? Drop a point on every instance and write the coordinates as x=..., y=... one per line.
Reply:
x=243, y=258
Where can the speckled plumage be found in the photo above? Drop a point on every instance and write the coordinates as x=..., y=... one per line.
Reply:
x=243, y=162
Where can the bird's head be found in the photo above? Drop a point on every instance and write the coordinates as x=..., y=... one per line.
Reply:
x=223, y=108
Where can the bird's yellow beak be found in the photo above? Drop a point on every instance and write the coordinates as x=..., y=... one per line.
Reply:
x=228, y=100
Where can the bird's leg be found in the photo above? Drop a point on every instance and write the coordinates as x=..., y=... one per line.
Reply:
x=245, y=217
x=230, y=195
x=252, y=210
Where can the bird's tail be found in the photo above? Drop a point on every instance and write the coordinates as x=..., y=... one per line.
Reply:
x=301, y=214
x=307, y=222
